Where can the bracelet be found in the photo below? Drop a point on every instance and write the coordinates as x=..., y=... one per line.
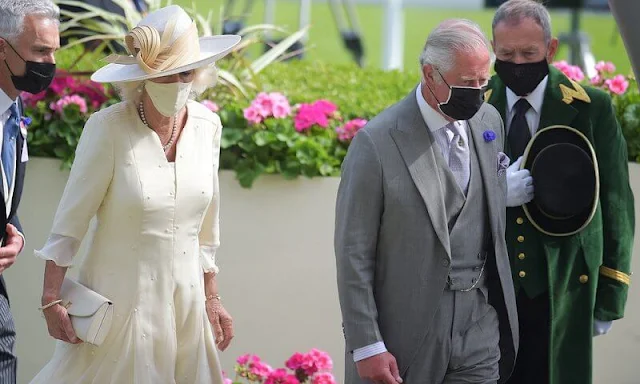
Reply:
x=211, y=297
x=51, y=304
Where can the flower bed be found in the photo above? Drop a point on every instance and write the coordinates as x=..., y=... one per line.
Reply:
x=313, y=367
x=301, y=121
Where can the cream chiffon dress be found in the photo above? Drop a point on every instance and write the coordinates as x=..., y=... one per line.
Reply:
x=156, y=233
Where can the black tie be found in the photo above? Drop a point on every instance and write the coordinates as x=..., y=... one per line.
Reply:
x=519, y=134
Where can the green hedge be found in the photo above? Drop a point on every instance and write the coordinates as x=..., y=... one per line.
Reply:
x=357, y=92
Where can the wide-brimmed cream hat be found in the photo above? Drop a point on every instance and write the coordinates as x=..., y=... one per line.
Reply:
x=164, y=42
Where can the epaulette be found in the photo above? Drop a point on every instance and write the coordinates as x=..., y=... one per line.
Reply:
x=578, y=93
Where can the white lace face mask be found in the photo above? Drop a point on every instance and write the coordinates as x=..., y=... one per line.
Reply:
x=168, y=98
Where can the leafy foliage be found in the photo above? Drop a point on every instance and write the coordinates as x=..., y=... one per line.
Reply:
x=628, y=111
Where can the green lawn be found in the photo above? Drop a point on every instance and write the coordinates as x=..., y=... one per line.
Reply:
x=325, y=43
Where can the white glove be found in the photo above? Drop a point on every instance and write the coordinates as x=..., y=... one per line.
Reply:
x=519, y=185
x=601, y=327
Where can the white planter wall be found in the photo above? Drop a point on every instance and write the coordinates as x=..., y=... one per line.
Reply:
x=277, y=274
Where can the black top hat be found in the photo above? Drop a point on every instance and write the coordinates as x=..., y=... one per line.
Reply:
x=564, y=168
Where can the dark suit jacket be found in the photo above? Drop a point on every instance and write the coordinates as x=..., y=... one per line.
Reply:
x=17, y=194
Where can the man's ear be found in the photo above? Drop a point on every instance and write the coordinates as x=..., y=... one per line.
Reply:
x=429, y=73
x=553, y=49
x=3, y=49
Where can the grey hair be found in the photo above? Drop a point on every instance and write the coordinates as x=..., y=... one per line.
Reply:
x=450, y=37
x=205, y=77
x=513, y=11
x=13, y=13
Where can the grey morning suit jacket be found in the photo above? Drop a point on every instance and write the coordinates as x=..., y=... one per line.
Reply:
x=391, y=238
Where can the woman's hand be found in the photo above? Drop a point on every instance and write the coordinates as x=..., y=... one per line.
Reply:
x=221, y=322
x=59, y=324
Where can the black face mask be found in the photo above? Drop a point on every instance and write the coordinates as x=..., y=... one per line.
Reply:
x=522, y=79
x=463, y=102
x=37, y=76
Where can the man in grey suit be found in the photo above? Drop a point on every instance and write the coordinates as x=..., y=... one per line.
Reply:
x=423, y=274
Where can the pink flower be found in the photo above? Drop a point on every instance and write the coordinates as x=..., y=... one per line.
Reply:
x=32, y=99
x=266, y=105
x=309, y=115
x=226, y=380
x=295, y=361
x=94, y=92
x=244, y=359
x=62, y=82
x=281, y=376
x=322, y=359
x=281, y=110
x=572, y=72
x=263, y=104
x=349, y=129
x=213, y=107
x=605, y=66
x=308, y=364
x=252, y=115
x=323, y=378
x=325, y=106
x=62, y=103
x=617, y=85
x=596, y=80
x=259, y=370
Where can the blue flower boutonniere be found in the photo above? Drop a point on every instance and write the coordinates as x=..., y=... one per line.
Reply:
x=26, y=121
x=489, y=135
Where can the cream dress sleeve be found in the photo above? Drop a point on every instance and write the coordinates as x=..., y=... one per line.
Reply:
x=209, y=236
x=89, y=179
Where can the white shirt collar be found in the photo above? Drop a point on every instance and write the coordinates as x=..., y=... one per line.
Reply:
x=434, y=120
x=535, y=98
x=5, y=102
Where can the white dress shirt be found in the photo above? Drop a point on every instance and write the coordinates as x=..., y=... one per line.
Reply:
x=442, y=136
x=535, y=99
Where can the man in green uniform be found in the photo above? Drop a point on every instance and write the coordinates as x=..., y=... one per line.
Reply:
x=569, y=288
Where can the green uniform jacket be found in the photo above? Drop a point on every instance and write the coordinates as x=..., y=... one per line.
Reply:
x=586, y=274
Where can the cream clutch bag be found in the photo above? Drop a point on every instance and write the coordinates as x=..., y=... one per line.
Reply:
x=91, y=314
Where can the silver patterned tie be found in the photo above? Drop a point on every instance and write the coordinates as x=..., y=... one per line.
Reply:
x=459, y=157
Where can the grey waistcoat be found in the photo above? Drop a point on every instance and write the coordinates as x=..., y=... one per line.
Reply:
x=467, y=220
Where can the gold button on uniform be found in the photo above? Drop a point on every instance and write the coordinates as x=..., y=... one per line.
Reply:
x=521, y=256
x=520, y=239
x=522, y=274
x=519, y=220
x=584, y=279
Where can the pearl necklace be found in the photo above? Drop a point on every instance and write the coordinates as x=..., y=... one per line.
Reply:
x=165, y=147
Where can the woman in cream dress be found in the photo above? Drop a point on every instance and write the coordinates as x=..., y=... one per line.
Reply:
x=147, y=169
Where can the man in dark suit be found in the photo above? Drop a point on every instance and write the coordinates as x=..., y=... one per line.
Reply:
x=28, y=39
x=568, y=288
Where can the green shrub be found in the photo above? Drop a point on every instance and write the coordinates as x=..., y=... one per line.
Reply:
x=628, y=111
x=357, y=92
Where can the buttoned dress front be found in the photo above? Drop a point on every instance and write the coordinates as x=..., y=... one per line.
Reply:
x=156, y=233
